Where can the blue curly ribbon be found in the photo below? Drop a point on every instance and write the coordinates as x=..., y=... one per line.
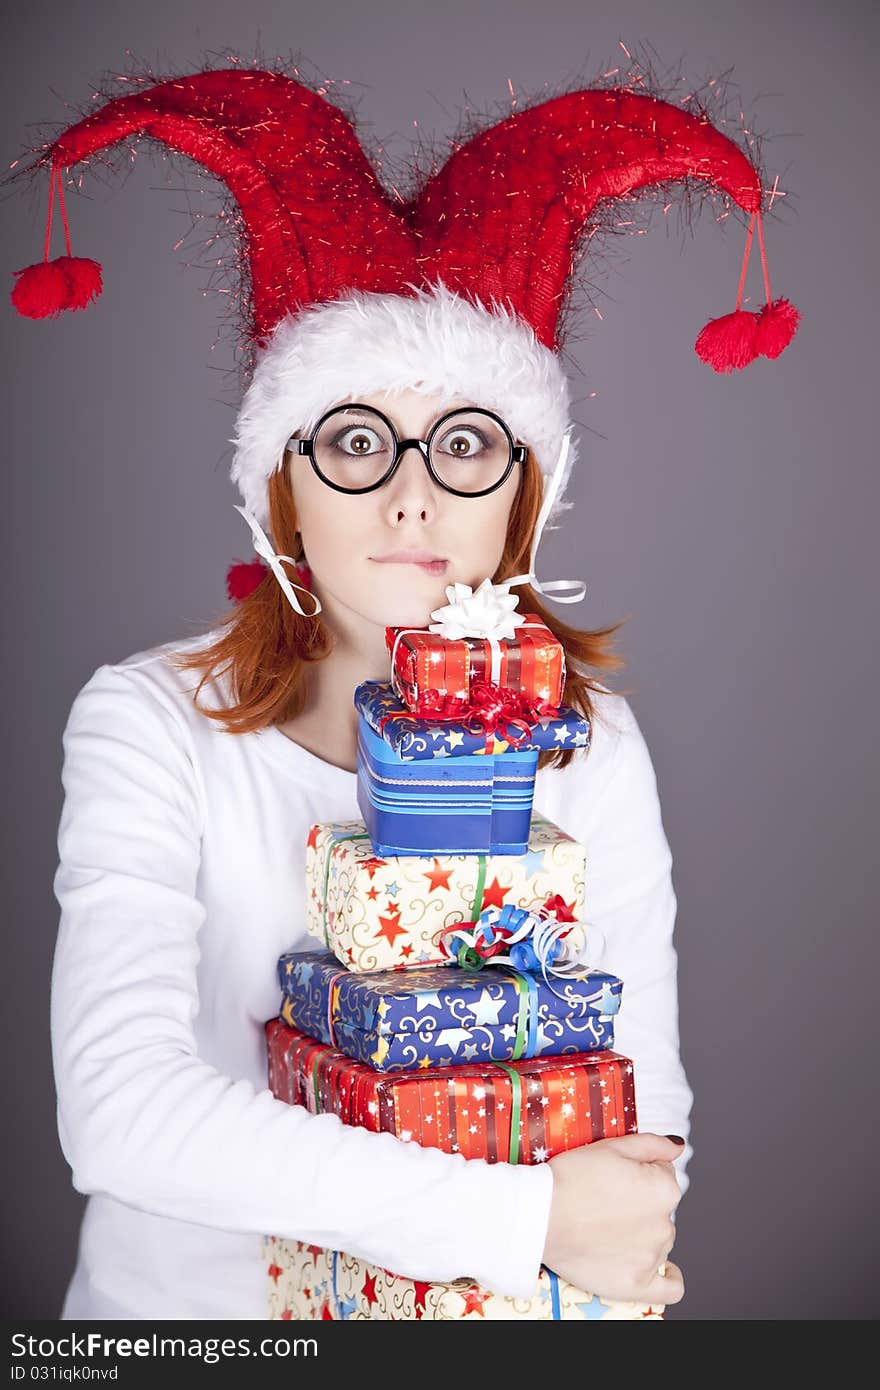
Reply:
x=538, y=950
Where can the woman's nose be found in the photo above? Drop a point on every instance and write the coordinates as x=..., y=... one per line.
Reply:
x=411, y=494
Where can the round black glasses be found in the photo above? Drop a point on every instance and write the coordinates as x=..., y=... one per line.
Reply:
x=355, y=448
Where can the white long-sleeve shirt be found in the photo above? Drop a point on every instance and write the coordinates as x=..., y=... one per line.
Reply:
x=180, y=882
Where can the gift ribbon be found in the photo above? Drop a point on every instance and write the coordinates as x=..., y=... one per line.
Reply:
x=554, y=1293
x=489, y=709
x=488, y=611
x=486, y=615
x=339, y=1313
x=526, y=1016
x=477, y=905
x=315, y=1065
x=517, y=1103
x=533, y=939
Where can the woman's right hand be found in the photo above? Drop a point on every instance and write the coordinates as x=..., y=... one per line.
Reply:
x=611, y=1227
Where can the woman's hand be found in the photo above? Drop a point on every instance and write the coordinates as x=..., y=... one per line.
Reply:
x=611, y=1225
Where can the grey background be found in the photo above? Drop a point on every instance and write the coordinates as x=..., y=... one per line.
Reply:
x=733, y=516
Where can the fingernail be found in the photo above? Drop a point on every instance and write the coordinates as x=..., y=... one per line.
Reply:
x=676, y=1138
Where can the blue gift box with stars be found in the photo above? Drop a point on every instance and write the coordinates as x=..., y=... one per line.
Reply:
x=438, y=787
x=439, y=1016
x=416, y=739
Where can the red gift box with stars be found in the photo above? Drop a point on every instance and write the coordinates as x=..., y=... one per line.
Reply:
x=504, y=1112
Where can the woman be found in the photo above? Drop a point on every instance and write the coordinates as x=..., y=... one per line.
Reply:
x=181, y=882
x=192, y=772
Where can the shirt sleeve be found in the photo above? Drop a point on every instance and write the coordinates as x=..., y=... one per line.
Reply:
x=631, y=902
x=144, y=1120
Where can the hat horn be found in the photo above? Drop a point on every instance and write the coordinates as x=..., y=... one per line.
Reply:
x=295, y=167
x=518, y=198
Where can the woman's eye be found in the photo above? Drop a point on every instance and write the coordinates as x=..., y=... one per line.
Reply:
x=358, y=441
x=462, y=443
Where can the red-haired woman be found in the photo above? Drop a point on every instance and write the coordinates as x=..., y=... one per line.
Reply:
x=192, y=773
x=407, y=426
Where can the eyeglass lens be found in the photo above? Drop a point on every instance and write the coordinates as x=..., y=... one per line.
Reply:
x=354, y=448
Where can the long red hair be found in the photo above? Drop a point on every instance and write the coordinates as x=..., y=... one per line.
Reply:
x=266, y=648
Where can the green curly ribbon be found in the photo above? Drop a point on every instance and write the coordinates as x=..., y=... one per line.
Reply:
x=469, y=958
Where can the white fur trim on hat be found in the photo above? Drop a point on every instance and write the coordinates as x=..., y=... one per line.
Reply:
x=437, y=342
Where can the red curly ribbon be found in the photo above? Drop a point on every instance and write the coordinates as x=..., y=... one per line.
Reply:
x=557, y=907
x=483, y=950
x=491, y=710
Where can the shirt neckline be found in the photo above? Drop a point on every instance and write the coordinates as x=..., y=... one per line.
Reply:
x=300, y=762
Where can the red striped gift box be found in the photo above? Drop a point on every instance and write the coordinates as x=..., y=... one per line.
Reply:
x=517, y=1112
x=532, y=662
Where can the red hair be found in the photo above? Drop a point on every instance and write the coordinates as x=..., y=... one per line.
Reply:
x=265, y=647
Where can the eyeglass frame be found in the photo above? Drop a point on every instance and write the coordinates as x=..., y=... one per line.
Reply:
x=306, y=448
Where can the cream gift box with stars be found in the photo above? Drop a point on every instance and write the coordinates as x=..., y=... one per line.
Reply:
x=384, y=914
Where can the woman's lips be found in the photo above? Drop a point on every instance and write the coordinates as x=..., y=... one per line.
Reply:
x=431, y=564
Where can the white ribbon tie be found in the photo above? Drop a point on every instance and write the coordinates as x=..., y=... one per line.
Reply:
x=263, y=547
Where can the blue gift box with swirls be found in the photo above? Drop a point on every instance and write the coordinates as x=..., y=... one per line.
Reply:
x=439, y=1016
x=413, y=738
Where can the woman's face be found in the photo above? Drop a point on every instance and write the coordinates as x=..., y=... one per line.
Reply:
x=387, y=556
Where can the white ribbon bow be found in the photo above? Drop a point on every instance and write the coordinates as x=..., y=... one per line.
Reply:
x=264, y=549
x=489, y=611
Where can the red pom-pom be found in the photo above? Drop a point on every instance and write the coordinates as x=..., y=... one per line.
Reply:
x=84, y=278
x=43, y=290
x=46, y=289
x=730, y=342
x=777, y=325
x=242, y=579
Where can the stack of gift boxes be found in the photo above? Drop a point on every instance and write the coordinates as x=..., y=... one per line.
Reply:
x=447, y=1004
